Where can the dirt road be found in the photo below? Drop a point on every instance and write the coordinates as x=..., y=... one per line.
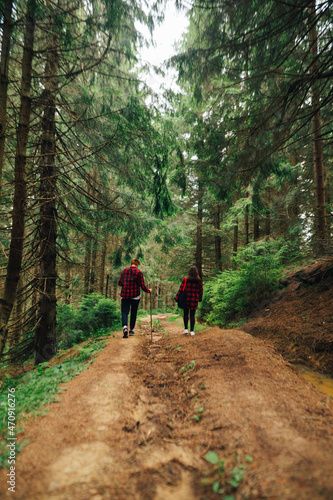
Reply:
x=138, y=423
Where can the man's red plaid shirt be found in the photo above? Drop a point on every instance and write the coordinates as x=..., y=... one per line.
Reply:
x=194, y=291
x=131, y=280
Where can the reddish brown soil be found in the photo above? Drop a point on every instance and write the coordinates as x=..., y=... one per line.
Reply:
x=298, y=321
x=126, y=428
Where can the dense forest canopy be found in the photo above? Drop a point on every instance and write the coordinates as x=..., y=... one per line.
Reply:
x=94, y=171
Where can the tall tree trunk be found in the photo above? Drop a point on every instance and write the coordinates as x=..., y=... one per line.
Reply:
x=295, y=205
x=198, y=253
x=4, y=66
x=17, y=316
x=46, y=346
x=20, y=190
x=328, y=201
x=93, y=266
x=102, y=268
x=268, y=223
x=256, y=228
x=107, y=286
x=156, y=294
x=235, y=243
x=319, y=180
x=217, y=237
x=246, y=224
x=115, y=289
x=68, y=279
x=87, y=263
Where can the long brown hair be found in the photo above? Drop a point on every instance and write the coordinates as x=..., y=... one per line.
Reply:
x=193, y=274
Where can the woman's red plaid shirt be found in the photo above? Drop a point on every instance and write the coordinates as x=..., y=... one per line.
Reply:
x=194, y=291
x=131, y=280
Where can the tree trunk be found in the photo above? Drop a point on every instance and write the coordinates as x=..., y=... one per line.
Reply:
x=256, y=228
x=19, y=202
x=156, y=293
x=268, y=223
x=198, y=253
x=217, y=238
x=246, y=224
x=102, y=269
x=17, y=317
x=4, y=66
x=235, y=244
x=87, y=263
x=321, y=229
x=328, y=201
x=47, y=303
x=93, y=267
x=107, y=286
x=295, y=210
x=68, y=280
x=115, y=289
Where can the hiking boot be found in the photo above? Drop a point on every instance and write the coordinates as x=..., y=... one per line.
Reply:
x=185, y=332
x=192, y=333
x=131, y=332
x=125, y=331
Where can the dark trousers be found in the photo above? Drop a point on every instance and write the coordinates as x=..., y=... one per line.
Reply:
x=192, y=318
x=128, y=305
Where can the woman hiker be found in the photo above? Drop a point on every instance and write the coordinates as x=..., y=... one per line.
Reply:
x=194, y=290
x=131, y=280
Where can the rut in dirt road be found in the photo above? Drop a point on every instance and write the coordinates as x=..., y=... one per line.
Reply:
x=140, y=421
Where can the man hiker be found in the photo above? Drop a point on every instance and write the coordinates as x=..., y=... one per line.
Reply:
x=131, y=280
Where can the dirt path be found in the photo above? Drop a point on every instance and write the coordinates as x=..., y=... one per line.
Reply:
x=138, y=423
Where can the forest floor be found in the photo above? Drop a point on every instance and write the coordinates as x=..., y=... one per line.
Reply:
x=139, y=422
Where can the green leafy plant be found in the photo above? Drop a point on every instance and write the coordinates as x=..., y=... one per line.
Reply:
x=213, y=458
x=245, y=288
x=94, y=317
x=197, y=416
x=190, y=366
x=237, y=473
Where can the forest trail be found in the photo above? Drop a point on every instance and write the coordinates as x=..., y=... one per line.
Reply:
x=138, y=423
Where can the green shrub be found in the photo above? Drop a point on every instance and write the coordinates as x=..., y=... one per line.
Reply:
x=246, y=287
x=65, y=317
x=94, y=316
x=105, y=313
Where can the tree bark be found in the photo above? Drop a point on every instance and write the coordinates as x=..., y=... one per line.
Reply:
x=246, y=224
x=102, y=269
x=235, y=243
x=256, y=228
x=268, y=223
x=198, y=253
x=68, y=280
x=46, y=346
x=319, y=179
x=4, y=66
x=217, y=238
x=107, y=285
x=93, y=266
x=20, y=190
x=87, y=263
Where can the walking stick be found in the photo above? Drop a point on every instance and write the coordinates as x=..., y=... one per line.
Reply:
x=151, y=317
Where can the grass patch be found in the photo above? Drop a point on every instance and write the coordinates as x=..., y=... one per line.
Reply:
x=39, y=387
x=174, y=317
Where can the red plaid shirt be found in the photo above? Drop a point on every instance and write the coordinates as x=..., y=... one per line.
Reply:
x=194, y=291
x=131, y=280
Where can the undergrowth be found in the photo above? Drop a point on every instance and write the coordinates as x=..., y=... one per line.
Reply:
x=253, y=281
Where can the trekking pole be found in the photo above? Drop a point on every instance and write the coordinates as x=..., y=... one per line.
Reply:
x=151, y=316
